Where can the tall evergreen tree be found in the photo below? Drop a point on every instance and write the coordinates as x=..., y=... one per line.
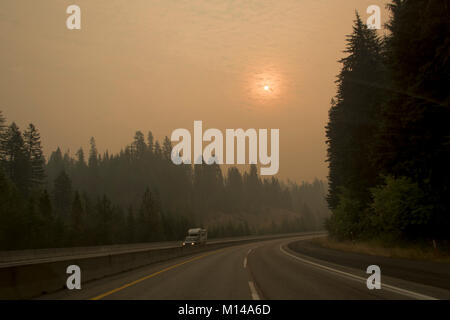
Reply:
x=2, y=135
x=15, y=158
x=167, y=149
x=54, y=166
x=414, y=139
x=93, y=155
x=33, y=149
x=157, y=150
x=2, y=122
x=138, y=147
x=150, y=141
x=353, y=117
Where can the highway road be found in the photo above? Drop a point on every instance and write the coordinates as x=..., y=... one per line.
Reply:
x=259, y=270
x=34, y=256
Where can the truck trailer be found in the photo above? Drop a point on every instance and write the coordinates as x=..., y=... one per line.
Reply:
x=195, y=237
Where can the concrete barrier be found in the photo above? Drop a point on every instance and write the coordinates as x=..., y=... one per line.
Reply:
x=29, y=280
x=19, y=257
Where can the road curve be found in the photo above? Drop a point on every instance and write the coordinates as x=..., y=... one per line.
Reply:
x=259, y=270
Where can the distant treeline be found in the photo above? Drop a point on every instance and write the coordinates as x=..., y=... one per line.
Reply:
x=137, y=195
x=389, y=129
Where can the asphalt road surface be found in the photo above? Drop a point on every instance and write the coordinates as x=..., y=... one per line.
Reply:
x=259, y=270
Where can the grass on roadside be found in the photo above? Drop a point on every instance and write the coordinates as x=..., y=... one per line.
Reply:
x=377, y=248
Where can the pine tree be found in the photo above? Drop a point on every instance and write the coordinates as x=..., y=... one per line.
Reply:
x=93, y=155
x=157, y=150
x=353, y=117
x=138, y=147
x=2, y=121
x=167, y=149
x=2, y=136
x=414, y=139
x=150, y=142
x=54, y=166
x=80, y=161
x=33, y=149
x=16, y=164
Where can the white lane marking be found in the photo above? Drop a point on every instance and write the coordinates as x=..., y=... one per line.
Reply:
x=404, y=292
x=245, y=259
x=255, y=295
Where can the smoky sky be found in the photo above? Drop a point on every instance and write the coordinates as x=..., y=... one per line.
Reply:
x=161, y=64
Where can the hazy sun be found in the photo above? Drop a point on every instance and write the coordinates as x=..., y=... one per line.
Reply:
x=264, y=86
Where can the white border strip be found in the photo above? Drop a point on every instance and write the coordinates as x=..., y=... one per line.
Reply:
x=255, y=295
x=404, y=292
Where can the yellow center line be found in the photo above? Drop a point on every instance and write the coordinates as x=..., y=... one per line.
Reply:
x=152, y=275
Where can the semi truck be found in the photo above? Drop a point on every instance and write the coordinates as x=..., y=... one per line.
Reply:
x=196, y=237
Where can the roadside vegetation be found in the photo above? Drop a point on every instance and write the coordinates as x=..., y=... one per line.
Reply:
x=389, y=134
x=406, y=250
